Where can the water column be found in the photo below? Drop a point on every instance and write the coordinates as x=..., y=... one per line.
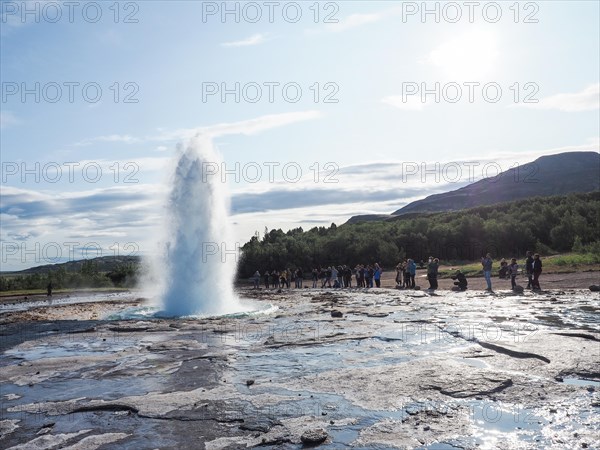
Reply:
x=198, y=273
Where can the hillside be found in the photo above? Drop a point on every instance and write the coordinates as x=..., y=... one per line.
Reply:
x=102, y=264
x=560, y=174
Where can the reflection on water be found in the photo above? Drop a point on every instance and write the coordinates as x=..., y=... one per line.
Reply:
x=276, y=349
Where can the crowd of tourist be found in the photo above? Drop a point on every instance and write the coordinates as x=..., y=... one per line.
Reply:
x=369, y=275
x=365, y=276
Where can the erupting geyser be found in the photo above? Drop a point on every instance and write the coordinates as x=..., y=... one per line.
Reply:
x=198, y=273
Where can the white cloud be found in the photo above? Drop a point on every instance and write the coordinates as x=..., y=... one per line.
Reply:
x=246, y=127
x=258, y=125
x=124, y=138
x=586, y=100
x=8, y=119
x=255, y=39
x=353, y=21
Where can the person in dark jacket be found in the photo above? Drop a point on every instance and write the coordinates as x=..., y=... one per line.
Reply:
x=369, y=276
x=461, y=281
x=377, y=271
x=412, y=270
x=513, y=270
x=327, y=279
x=537, y=270
x=432, y=273
x=299, y=278
x=362, y=273
x=529, y=268
x=503, y=272
x=407, y=274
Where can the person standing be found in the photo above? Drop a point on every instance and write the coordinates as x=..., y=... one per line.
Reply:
x=537, y=270
x=432, y=273
x=436, y=266
x=362, y=274
x=283, y=279
x=369, y=275
x=266, y=279
x=334, y=277
x=513, y=268
x=377, y=275
x=315, y=277
x=256, y=279
x=529, y=268
x=429, y=262
x=412, y=271
x=327, y=279
x=487, y=270
x=347, y=277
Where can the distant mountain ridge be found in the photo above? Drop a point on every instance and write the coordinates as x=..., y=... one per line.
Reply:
x=103, y=263
x=560, y=174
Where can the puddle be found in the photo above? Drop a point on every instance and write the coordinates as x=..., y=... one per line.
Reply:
x=581, y=382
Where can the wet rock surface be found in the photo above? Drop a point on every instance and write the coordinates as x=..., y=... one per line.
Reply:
x=391, y=369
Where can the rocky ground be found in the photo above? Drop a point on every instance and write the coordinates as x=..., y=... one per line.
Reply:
x=361, y=369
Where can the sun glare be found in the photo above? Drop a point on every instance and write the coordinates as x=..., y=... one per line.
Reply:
x=469, y=56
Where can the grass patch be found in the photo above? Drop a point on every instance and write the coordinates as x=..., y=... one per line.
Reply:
x=565, y=263
x=574, y=259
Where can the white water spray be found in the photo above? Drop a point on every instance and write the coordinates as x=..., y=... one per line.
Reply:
x=198, y=273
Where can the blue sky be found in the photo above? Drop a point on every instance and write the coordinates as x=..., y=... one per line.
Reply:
x=166, y=55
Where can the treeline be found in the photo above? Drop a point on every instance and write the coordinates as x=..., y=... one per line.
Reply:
x=122, y=275
x=543, y=224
